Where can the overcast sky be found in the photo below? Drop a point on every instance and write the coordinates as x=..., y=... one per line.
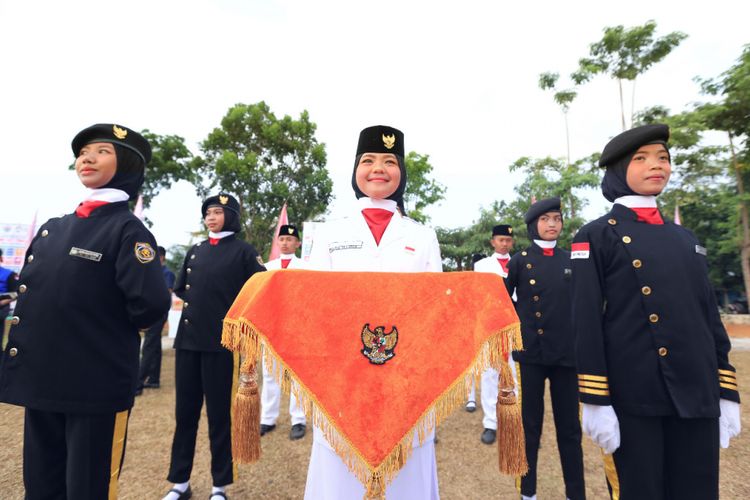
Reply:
x=459, y=78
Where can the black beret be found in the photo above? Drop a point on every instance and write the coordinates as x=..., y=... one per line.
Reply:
x=115, y=134
x=223, y=200
x=381, y=139
x=502, y=230
x=541, y=207
x=630, y=140
x=289, y=230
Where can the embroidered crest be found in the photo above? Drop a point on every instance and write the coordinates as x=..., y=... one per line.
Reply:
x=378, y=345
x=85, y=254
x=144, y=252
x=260, y=260
x=120, y=133
x=389, y=141
x=223, y=199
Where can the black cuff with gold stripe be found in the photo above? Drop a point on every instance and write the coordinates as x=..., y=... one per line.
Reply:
x=593, y=388
x=728, y=385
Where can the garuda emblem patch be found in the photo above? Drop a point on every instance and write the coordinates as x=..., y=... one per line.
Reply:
x=144, y=252
x=378, y=345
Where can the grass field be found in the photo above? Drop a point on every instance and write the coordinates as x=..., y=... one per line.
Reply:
x=467, y=468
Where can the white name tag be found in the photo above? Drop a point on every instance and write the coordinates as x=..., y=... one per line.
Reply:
x=701, y=250
x=345, y=245
x=85, y=254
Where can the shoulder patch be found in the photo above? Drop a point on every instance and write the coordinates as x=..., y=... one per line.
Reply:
x=144, y=252
x=580, y=250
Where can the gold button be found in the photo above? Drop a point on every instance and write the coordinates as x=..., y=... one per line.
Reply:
x=536, y=298
x=30, y=259
x=626, y=239
x=189, y=270
x=187, y=287
x=15, y=320
x=529, y=266
x=662, y=351
x=540, y=331
x=186, y=321
x=524, y=253
x=533, y=282
x=192, y=257
x=45, y=233
x=538, y=314
x=653, y=318
x=612, y=222
x=198, y=244
x=637, y=263
x=646, y=290
x=13, y=351
x=185, y=305
x=22, y=288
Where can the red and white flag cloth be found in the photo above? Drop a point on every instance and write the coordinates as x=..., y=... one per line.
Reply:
x=677, y=219
x=138, y=208
x=580, y=250
x=283, y=220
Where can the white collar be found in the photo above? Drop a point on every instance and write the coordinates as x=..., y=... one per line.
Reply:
x=637, y=201
x=367, y=202
x=287, y=256
x=219, y=235
x=501, y=255
x=545, y=243
x=107, y=194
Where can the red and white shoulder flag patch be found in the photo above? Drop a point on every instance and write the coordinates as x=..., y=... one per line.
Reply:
x=580, y=250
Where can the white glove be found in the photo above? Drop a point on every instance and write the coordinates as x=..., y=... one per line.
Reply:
x=601, y=425
x=729, y=421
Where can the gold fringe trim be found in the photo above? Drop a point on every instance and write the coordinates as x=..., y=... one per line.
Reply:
x=241, y=335
x=246, y=416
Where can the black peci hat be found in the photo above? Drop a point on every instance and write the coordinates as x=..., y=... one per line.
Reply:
x=289, y=230
x=630, y=140
x=223, y=200
x=541, y=207
x=381, y=139
x=502, y=230
x=114, y=134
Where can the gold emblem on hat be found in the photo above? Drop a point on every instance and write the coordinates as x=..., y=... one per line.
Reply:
x=389, y=141
x=510, y=230
x=120, y=133
x=223, y=199
x=290, y=230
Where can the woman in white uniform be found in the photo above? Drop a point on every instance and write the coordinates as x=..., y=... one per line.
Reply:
x=376, y=238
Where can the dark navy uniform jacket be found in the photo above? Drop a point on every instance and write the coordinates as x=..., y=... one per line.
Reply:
x=87, y=287
x=649, y=338
x=542, y=285
x=211, y=278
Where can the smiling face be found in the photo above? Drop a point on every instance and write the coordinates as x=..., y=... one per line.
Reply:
x=214, y=219
x=649, y=170
x=378, y=175
x=96, y=164
x=549, y=225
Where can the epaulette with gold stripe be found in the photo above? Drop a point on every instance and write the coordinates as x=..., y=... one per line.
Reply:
x=728, y=380
x=593, y=384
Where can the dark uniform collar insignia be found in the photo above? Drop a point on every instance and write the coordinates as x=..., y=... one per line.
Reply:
x=378, y=345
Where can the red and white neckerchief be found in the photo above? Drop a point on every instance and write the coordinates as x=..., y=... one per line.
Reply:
x=502, y=259
x=548, y=247
x=98, y=197
x=644, y=207
x=213, y=238
x=285, y=260
x=377, y=214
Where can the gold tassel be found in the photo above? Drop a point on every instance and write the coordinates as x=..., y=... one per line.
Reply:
x=375, y=488
x=246, y=416
x=511, y=444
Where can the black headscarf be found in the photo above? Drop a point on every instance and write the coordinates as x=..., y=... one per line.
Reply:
x=614, y=182
x=129, y=174
x=397, y=195
x=538, y=209
x=231, y=208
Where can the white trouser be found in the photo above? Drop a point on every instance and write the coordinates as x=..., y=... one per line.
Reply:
x=489, y=398
x=270, y=398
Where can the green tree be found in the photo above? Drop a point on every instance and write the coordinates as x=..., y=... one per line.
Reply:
x=266, y=161
x=170, y=162
x=421, y=190
x=624, y=54
x=563, y=98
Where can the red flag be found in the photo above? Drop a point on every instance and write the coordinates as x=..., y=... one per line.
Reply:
x=283, y=220
x=677, y=215
x=138, y=208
